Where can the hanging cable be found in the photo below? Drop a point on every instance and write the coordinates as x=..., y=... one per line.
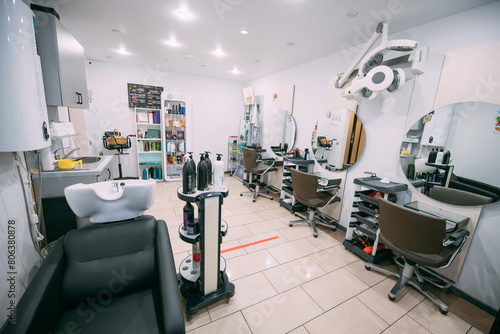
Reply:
x=31, y=226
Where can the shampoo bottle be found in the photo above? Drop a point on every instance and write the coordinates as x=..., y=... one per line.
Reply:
x=218, y=173
x=439, y=157
x=188, y=177
x=188, y=211
x=209, y=168
x=446, y=158
x=202, y=173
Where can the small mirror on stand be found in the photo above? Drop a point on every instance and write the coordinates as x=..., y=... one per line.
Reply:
x=338, y=139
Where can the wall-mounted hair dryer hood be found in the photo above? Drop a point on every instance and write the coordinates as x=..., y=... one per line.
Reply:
x=23, y=112
x=373, y=69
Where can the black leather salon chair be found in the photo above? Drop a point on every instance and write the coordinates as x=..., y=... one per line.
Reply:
x=458, y=197
x=305, y=190
x=254, y=166
x=421, y=240
x=105, y=278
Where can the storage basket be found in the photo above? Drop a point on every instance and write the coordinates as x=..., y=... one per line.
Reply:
x=116, y=139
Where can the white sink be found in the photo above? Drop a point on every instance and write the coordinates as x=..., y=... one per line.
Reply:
x=110, y=201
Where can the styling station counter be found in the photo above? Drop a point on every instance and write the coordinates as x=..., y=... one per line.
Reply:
x=202, y=275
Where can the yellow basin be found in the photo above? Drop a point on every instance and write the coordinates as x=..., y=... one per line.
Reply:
x=69, y=163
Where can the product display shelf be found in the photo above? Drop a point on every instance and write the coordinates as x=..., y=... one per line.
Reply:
x=174, y=131
x=232, y=154
x=149, y=143
x=363, y=227
x=205, y=283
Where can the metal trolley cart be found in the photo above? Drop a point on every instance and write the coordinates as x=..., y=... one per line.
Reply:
x=202, y=275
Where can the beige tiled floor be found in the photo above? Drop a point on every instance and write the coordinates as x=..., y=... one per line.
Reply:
x=296, y=283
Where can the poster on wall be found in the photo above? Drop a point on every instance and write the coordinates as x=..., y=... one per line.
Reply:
x=144, y=96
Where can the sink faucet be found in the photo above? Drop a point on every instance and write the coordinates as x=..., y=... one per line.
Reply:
x=57, y=156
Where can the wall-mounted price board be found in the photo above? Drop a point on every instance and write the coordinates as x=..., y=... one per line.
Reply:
x=144, y=96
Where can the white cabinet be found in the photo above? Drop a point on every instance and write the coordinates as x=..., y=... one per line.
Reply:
x=150, y=143
x=63, y=62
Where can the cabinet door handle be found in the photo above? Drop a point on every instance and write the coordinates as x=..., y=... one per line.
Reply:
x=80, y=99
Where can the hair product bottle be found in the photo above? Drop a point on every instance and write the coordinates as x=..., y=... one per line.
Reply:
x=202, y=173
x=209, y=169
x=218, y=173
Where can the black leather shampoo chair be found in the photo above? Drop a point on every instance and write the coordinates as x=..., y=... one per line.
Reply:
x=105, y=278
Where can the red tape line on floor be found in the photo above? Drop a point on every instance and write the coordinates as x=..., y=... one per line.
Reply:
x=250, y=244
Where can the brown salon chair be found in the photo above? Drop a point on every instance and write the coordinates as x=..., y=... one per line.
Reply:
x=421, y=240
x=458, y=197
x=305, y=190
x=253, y=165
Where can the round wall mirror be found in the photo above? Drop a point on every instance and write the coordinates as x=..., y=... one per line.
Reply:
x=281, y=132
x=452, y=154
x=338, y=139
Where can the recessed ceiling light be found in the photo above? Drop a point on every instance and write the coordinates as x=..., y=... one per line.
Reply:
x=218, y=52
x=290, y=43
x=235, y=71
x=184, y=14
x=122, y=51
x=244, y=31
x=352, y=14
x=190, y=57
x=172, y=42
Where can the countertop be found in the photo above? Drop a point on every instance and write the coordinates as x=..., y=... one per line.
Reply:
x=97, y=169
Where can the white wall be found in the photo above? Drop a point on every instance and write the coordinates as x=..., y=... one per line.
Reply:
x=386, y=120
x=217, y=106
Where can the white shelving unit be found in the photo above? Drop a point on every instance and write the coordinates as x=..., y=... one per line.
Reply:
x=176, y=116
x=149, y=139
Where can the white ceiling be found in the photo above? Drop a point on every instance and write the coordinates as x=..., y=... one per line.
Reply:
x=316, y=27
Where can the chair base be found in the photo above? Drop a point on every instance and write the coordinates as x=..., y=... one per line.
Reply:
x=256, y=193
x=312, y=220
x=409, y=275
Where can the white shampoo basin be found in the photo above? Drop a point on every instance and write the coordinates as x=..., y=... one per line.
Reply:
x=110, y=201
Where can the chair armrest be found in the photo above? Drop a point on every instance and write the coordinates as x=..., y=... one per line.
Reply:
x=39, y=308
x=172, y=316
x=460, y=237
x=455, y=236
x=328, y=188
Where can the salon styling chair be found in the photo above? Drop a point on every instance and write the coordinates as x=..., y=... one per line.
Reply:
x=115, y=277
x=421, y=240
x=458, y=197
x=253, y=165
x=305, y=190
